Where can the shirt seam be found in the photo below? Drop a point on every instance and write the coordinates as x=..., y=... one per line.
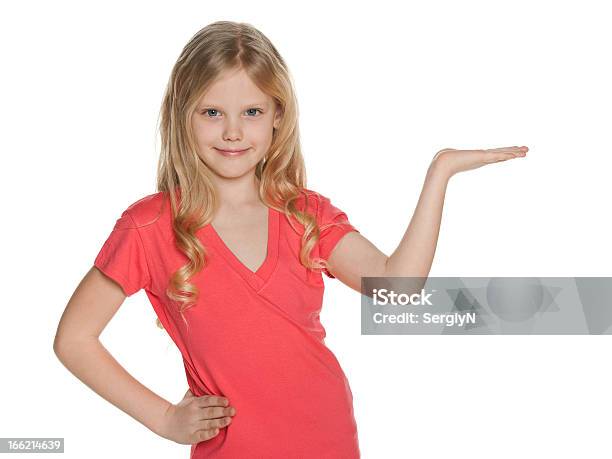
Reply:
x=148, y=286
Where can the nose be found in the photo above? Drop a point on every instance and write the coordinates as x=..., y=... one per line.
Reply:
x=232, y=130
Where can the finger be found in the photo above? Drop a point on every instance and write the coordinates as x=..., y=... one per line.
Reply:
x=213, y=400
x=510, y=149
x=214, y=423
x=494, y=152
x=216, y=412
x=188, y=393
x=203, y=435
x=497, y=157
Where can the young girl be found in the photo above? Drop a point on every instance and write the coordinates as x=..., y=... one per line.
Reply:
x=230, y=252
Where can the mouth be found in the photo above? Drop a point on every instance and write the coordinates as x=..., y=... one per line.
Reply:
x=232, y=152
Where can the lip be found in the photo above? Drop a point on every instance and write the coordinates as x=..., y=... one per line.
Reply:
x=232, y=152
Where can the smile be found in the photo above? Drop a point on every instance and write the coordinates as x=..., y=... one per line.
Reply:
x=232, y=152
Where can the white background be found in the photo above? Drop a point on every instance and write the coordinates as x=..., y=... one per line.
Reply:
x=381, y=88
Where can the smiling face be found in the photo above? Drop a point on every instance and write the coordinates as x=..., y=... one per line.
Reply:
x=234, y=114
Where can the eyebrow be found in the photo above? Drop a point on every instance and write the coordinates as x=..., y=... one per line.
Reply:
x=207, y=104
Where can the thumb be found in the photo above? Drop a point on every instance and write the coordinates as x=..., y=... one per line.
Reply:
x=188, y=393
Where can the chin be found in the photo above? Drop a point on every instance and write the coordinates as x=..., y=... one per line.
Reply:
x=228, y=167
x=229, y=172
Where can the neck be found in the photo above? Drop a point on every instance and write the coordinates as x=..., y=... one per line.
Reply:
x=237, y=192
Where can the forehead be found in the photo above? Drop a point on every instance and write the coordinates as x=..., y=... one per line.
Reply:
x=234, y=88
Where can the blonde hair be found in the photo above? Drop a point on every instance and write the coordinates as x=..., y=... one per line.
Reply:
x=218, y=47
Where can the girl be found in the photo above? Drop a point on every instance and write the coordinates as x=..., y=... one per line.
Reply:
x=230, y=252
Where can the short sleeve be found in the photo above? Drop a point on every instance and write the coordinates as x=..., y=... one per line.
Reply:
x=333, y=226
x=123, y=257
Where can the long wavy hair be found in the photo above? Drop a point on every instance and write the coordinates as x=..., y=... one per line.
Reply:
x=181, y=174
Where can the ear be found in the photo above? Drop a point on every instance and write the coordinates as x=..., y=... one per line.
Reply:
x=278, y=116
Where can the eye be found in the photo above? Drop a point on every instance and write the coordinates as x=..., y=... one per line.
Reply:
x=208, y=110
x=256, y=109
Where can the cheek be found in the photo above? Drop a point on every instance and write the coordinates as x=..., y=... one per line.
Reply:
x=204, y=135
x=261, y=134
x=210, y=134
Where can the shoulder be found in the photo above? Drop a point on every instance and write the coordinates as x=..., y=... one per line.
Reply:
x=312, y=200
x=326, y=211
x=145, y=211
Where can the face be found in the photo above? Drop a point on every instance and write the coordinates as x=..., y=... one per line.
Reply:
x=234, y=114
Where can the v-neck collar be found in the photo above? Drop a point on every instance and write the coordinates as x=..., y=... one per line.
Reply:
x=256, y=279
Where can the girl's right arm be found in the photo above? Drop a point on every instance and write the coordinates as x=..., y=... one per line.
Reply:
x=77, y=345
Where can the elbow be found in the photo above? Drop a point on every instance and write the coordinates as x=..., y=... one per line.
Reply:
x=58, y=346
x=61, y=345
x=415, y=277
x=385, y=267
x=412, y=270
x=64, y=345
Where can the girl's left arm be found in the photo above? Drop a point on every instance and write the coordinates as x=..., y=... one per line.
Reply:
x=355, y=256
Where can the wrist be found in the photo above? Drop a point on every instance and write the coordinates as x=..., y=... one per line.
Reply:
x=160, y=424
x=439, y=170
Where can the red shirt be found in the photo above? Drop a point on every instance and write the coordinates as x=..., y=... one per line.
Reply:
x=253, y=337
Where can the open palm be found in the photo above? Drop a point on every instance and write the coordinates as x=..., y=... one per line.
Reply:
x=454, y=161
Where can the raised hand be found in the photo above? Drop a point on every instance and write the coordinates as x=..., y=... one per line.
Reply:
x=195, y=419
x=453, y=161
